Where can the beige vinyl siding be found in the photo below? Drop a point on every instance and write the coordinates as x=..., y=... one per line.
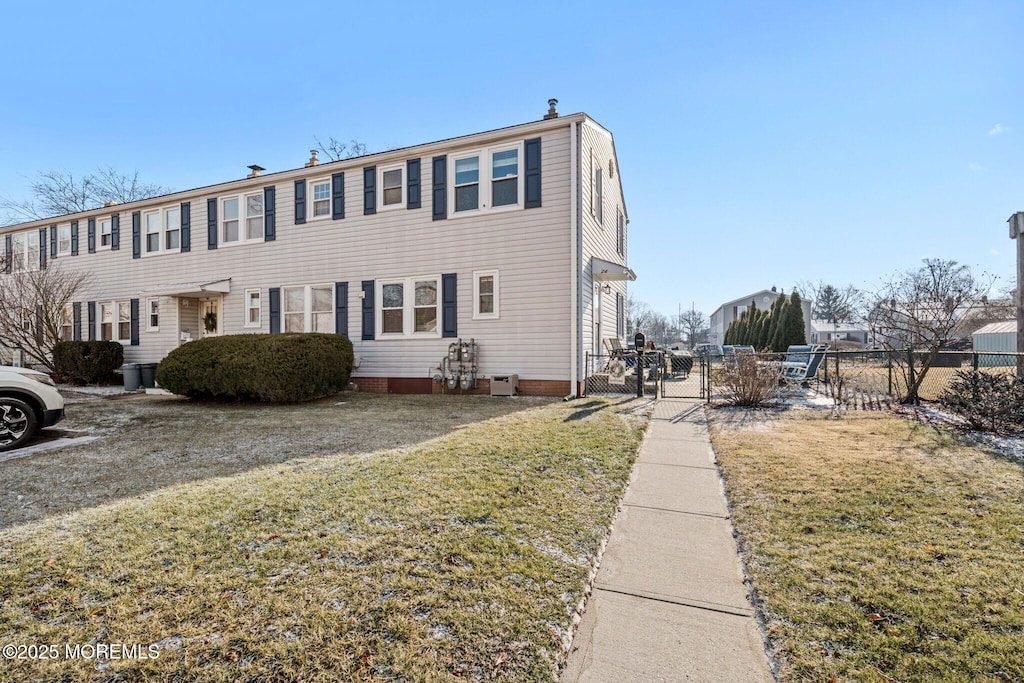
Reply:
x=599, y=239
x=529, y=248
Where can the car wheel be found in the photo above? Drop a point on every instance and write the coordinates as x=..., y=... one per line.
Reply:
x=17, y=423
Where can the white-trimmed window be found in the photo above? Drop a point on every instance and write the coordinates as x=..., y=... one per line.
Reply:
x=242, y=218
x=321, y=192
x=485, y=294
x=115, y=321
x=598, y=196
x=162, y=231
x=620, y=232
x=172, y=229
x=253, y=308
x=409, y=307
x=63, y=240
x=152, y=315
x=309, y=308
x=106, y=233
x=67, y=323
x=25, y=251
x=151, y=227
x=392, y=187
x=486, y=180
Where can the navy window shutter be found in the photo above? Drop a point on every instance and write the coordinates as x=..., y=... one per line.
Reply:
x=300, y=202
x=337, y=196
x=136, y=234
x=275, y=310
x=42, y=248
x=412, y=174
x=91, y=239
x=8, y=253
x=135, y=322
x=186, y=227
x=341, y=308
x=74, y=238
x=76, y=320
x=53, y=241
x=369, y=190
x=211, y=223
x=92, y=320
x=115, y=232
x=532, y=169
x=368, y=321
x=269, y=213
x=449, y=306
x=439, y=186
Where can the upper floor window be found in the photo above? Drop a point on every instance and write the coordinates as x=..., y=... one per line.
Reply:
x=620, y=232
x=162, y=230
x=172, y=229
x=25, y=251
x=409, y=307
x=106, y=233
x=392, y=187
x=598, y=197
x=486, y=179
x=63, y=240
x=321, y=198
x=242, y=218
x=152, y=222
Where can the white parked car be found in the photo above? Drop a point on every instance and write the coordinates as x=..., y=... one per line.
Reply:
x=29, y=401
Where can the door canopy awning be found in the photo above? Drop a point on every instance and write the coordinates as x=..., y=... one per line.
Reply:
x=191, y=289
x=606, y=271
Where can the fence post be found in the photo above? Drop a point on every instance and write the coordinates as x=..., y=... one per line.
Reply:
x=586, y=372
x=888, y=363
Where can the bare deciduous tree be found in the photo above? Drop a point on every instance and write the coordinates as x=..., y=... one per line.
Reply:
x=32, y=305
x=58, y=193
x=694, y=324
x=923, y=310
x=335, y=150
x=637, y=314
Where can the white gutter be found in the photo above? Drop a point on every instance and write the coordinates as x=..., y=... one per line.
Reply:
x=574, y=261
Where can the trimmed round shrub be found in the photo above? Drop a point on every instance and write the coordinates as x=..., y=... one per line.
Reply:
x=87, y=362
x=274, y=368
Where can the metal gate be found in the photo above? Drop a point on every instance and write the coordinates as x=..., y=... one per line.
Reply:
x=686, y=377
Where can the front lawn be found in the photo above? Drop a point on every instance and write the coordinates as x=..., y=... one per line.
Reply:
x=880, y=549
x=461, y=557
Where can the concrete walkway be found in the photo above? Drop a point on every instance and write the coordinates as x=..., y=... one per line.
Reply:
x=669, y=602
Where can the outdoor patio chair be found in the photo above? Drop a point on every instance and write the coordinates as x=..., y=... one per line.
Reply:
x=614, y=347
x=801, y=363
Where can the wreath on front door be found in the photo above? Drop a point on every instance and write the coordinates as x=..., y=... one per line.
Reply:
x=210, y=321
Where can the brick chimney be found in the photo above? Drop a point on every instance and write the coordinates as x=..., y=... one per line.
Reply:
x=552, y=112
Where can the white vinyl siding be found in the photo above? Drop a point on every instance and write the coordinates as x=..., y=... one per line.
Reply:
x=529, y=247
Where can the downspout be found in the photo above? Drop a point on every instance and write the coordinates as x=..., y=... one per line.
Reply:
x=574, y=261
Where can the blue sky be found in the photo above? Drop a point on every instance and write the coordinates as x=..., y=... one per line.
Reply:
x=759, y=144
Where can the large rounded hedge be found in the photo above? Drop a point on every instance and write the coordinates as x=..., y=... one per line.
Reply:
x=285, y=368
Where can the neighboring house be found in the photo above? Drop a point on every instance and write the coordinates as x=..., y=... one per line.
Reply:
x=824, y=331
x=515, y=238
x=725, y=314
x=1000, y=337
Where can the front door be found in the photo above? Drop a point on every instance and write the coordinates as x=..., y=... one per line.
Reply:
x=210, y=323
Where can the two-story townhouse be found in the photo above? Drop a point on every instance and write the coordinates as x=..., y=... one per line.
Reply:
x=515, y=238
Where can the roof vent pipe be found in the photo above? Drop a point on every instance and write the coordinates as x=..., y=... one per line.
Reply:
x=313, y=161
x=552, y=112
x=256, y=170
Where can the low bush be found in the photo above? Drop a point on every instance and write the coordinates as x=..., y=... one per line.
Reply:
x=279, y=368
x=746, y=382
x=992, y=402
x=86, y=362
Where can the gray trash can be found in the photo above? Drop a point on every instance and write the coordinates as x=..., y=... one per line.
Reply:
x=148, y=372
x=132, y=376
